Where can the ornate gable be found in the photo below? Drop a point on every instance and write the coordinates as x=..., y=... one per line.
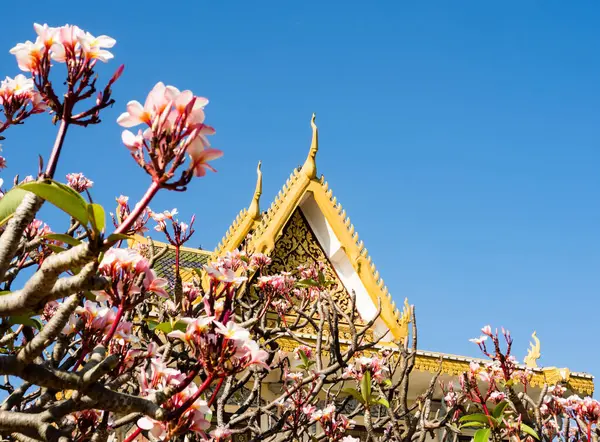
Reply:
x=310, y=196
x=297, y=246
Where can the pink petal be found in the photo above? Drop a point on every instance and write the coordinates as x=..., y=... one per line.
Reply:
x=177, y=334
x=155, y=97
x=183, y=99
x=135, y=109
x=126, y=120
x=105, y=41
x=211, y=154
x=145, y=424
x=130, y=140
x=171, y=93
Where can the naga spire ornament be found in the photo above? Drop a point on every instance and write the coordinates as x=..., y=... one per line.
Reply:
x=534, y=352
x=310, y=166
x=254, y=208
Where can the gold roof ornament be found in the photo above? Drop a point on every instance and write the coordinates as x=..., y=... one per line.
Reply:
x=554, y=376
x=261, y=230
x=405, y=317
x=254, y=208
x=302, y=182
x=310, y=165
x=244, y=222
x=534, y=352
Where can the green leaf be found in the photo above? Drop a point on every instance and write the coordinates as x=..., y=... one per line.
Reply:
x=477, y=417
x=365, y=386
x=89, y=295
x=26, y=320
x=382, y=401
x=151, y=324
x=530, y=431
x=9, y=203
x=497, y=412
x=55, y=248
x=482, y=435
x=354, y=393
x=472, y=425
x=165, y=327
x=62, y=197
x=303, y=356
x=67, y=239
x=97, y=217
x=304, y=283
x=114, y=237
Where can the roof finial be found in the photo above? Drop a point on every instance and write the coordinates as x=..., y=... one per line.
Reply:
x=310, y=165
x=254, y=209
x=534, y=353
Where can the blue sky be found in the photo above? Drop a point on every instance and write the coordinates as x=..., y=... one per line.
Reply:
x=462, y=141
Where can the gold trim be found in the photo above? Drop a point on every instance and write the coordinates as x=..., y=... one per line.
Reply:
x=254, y=208
x=534, y=352
x=271, y=225
x=159, y=244
x=310, y=165
x=244, y=222
x=540, y=377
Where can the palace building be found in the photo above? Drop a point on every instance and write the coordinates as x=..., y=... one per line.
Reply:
x=305, y=223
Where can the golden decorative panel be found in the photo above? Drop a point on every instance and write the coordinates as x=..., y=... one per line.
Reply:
x=297, y=246
x=539, y=378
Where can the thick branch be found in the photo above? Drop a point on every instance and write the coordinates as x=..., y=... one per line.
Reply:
x=9, y=241
x=43, y=285
x=36, y=346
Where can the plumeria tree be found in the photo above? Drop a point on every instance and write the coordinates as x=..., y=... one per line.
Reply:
x=97, y=346
x=496, y=401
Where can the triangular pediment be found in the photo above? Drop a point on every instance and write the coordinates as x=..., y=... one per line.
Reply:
x=306, y=194
x=298, y=246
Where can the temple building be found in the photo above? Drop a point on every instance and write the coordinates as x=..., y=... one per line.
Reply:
x=305, y=223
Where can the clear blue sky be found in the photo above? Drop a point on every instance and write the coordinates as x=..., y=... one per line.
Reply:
x=462, y=141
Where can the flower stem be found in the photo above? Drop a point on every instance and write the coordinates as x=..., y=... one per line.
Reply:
x=114, y=326
x=139, y=208
x=175, y=414
x=58, y=144
x=178, y=283
x=133, y=435
x=214, y=395
x=81, y=357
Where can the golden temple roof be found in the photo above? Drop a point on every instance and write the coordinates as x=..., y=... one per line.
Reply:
x=259, y=231
x=266, y=229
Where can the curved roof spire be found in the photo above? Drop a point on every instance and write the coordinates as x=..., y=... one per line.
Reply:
x=310, y=165
x=254, y=208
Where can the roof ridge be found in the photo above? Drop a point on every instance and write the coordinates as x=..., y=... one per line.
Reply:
x=364, y=253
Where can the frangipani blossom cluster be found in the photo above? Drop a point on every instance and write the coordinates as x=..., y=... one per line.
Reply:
x=583, y=412
x=189, y=409
x=95, y=320
x=298, y=407
x=180, y=232
x=19, y=100
x=125, y=268
x=174, y=127
x=66, y=44
x=334, y=424
x=123, y=211
x=222, y=349
x=36, y=228
x=499, y=390
x=78, y=182
x=374, y=365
